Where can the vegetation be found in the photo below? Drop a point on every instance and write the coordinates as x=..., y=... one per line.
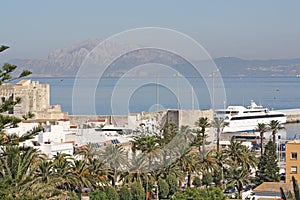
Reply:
x=211, y=193
x=125, y=194
x=163, y=160
x=7, y=121
x=219, y=124
x=98, y=195
x=289, y=195
x=173, y=184
x=274, y=126
x=137, y=191
x=111, y=193
x=197, y=182
x=261, y=128
x=268, y=169
x=203, y=124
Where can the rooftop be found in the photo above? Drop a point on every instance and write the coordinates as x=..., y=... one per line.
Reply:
x=273, y=187
x=294, y=141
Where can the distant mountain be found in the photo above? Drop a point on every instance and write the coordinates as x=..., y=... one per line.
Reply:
x=231, y=66
x=65, y=62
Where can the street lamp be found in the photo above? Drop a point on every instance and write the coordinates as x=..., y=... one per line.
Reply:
x=156, y=187
x=213, y=88
x=148, y=174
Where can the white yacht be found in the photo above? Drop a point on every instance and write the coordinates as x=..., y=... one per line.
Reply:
x=241, y=119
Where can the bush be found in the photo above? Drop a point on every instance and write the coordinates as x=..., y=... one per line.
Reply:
x=207, y=179
x=173, y=184
x=211, y=193
x=125, y=194
x=197, y=182
x=111, y=193
x=137, y=191
x=98, y=195
x=163, y=189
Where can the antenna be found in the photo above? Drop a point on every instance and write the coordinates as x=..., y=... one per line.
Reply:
x=177, y=90
x=157, y=93
x=193, y=103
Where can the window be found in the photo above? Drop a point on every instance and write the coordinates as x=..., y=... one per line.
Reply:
x=294, y=169
x=294, y=155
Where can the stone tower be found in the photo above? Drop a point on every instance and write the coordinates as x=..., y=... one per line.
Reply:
x=35, y=98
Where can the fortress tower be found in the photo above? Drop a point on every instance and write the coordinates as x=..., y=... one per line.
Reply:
x=35, y=98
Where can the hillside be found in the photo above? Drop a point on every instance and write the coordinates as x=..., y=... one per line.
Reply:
x=66, y=61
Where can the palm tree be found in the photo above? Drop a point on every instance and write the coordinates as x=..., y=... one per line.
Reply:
x=17, y=174
x=203, y=123
x=137, y=170
x=188, y=163
x=239, y=177
x=219, y=125
x=99, y=172
x=240, y=155
x=48, y=181
x=82, y=171
x=63, y=172
x=115, y=157
x=261, y=128
x=207, y=162
x=149, y=146
x=44, y=172
x=87, y=153
x=274, y=126
x=222, y=162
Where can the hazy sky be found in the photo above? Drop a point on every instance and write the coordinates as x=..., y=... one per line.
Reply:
x=248, y=29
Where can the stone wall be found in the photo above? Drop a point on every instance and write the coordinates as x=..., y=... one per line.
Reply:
x=35, y=98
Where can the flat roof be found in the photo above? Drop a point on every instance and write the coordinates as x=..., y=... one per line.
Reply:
x=293, y=141
x=273, y=187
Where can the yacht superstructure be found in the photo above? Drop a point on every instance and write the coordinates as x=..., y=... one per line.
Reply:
x=241, y=119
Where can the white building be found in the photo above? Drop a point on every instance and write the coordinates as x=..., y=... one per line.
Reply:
x=54, y=138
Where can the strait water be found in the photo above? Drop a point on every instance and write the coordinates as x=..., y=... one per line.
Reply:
x=115, y=96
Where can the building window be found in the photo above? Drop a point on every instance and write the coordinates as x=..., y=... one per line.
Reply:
x=294, y=155
x=294, y=169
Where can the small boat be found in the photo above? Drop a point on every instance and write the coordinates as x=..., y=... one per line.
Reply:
x=242, y=119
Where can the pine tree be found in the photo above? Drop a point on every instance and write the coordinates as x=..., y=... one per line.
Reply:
x=268, y=170
x=7, y=121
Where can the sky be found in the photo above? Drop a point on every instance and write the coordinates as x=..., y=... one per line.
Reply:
x=250, y=29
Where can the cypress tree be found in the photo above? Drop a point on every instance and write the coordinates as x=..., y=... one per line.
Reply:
x=268, y=170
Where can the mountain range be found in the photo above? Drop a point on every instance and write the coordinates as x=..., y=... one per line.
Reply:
x=66, y=61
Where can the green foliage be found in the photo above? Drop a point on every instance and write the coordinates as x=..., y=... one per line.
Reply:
x=217, y=177
x=146, y=182
x=296, y=188
x=211, y=193
x=8, y=105
x=289, y=194
x=261, y=128
x=203, y=124
x=137, y=191
x=219, y=124
x=197, y=181
x=207, y=179
x=274, y=126
x=173, y=184
x=239, y=177
x=28, y=115
x=111, y=193
x=163, y=189
x=125, y=194
x=268, y=170
x=98, y=195
x=3, y=47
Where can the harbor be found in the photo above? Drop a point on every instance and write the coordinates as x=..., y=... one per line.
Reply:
x=293, y=115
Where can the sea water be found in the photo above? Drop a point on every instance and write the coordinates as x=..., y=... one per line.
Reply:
x=141, y=94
